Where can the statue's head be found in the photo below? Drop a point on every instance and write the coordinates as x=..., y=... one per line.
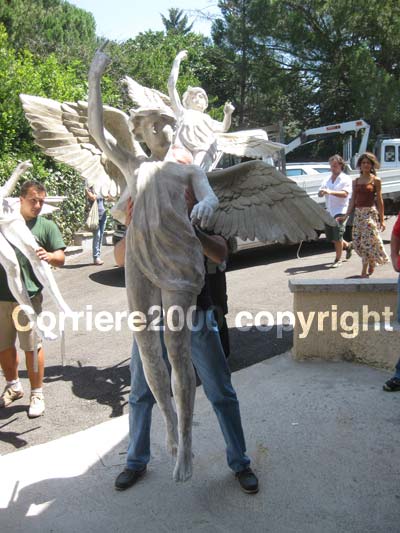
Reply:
x=154, y=127
x=195, y=98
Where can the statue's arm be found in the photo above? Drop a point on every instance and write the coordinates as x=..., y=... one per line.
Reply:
x=222, y=127
x=8, y=188
x=115, y=153
x=228, y=110
x=172, y=80
x=207, y=201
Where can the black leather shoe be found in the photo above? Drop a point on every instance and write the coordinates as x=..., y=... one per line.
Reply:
x=247, y=480
x=128, y=477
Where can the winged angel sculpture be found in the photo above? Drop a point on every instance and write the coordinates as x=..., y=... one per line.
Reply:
x=164, y=262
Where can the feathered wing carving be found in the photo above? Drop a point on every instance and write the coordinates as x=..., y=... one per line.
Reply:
x=247, y=143
x=258, y=201
x=147, y=98
x=61, y=131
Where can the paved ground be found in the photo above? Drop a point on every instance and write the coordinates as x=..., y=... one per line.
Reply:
x=324, y=439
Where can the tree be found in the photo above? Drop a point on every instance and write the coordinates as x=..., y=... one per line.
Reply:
x=50, y=26
x=259, y=86
x=346, y=51
x=22, y=72
x=177, y=22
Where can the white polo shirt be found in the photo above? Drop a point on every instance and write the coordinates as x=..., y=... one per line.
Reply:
x=334, y=204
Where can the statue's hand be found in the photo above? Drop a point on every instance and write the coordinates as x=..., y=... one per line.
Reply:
x=181, y=55
x=229, y=108
x=24, y=166
x=201, y=213
x=100, y=62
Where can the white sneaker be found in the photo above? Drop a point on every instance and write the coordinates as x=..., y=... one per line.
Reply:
x=336, y=264
x=36, y=407
x=9, y=396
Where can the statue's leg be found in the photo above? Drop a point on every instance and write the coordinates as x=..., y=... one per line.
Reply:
x=142, y=295
x=177, y=338
x=18, y=234
x=10, y=263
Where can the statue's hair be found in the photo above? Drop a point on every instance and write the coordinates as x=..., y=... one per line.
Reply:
x=189, y=91
x=137, y=119
x=31, y=184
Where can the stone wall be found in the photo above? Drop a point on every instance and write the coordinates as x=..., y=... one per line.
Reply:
x=351, y=319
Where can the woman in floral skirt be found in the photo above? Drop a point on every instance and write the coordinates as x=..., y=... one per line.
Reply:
x=367, y=203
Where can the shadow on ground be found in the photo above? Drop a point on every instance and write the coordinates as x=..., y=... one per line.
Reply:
x=103, y=392
x=275, y=253
x=108, y=386
x=112, y=277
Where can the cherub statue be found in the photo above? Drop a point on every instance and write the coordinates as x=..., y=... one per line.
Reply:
x=14, y=232
x=196, y=131
x=164, y=264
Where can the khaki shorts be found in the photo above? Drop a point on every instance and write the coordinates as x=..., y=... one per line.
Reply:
x=10, y=329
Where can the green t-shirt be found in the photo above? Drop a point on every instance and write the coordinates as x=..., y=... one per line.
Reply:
x=48, y=236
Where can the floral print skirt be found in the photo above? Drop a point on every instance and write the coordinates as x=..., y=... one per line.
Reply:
x=366, y=240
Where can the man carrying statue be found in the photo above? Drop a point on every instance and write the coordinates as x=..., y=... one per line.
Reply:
x=210, y=362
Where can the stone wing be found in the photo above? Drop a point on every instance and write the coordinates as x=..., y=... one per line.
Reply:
x=61, y=131
x=250, y=143
x=256, y=201
x=146, y=98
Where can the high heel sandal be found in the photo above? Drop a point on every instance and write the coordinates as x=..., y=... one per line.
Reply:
x=371, y=269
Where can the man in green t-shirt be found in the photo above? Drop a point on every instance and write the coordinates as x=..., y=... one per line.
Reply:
x=51, y=249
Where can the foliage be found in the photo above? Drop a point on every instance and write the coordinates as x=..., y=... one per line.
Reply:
x=50, y=27
x=22, y=72
x=346, y=52
x=259, y=86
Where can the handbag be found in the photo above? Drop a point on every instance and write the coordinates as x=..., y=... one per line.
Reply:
x=92, y=221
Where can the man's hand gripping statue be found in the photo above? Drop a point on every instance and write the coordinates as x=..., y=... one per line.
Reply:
x=163, y=265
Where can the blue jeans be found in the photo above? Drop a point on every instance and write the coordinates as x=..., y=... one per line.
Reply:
x=98, y=236
x=210, y=362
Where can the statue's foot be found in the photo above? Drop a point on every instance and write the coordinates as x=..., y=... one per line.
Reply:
x=172, y=440
x=184, y=464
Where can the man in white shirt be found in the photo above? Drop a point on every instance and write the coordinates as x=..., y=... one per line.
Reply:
x=337, y=191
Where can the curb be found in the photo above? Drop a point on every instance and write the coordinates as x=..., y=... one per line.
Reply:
x=73, y=250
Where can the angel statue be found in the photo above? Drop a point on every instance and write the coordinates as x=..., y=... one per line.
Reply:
x=163, y=264
x=164, y=259
x=15, y=233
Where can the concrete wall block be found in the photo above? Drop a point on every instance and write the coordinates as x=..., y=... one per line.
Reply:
x=353, y=320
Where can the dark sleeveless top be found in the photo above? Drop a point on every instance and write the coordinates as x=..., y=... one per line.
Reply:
x=365, y=194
